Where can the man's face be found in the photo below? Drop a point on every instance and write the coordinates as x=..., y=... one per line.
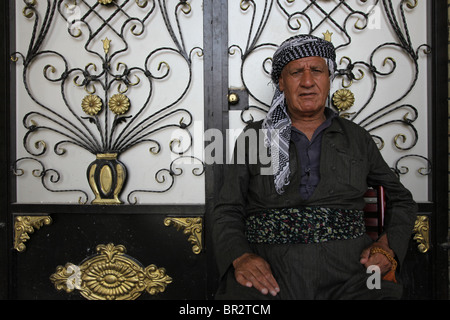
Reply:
x=306, y=84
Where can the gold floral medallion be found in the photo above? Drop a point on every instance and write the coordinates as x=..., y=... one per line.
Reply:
x=119, y=104
x=111, y=275
x=91, y=104
x=343, y=99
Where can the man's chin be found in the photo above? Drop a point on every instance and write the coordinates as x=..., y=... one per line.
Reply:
x=308, y=109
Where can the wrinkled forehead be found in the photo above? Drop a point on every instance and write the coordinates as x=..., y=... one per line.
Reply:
x=307, y=62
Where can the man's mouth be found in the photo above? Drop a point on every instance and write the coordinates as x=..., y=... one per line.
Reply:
x=307, y=94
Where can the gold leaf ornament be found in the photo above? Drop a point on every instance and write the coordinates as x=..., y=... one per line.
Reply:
x=105, y=2
x=24, y=225
x=119, y=104
x=343, y=99
x=422, y=233
x=91, y=104
x=106, y=45
x=192, y=227
x=327, y=36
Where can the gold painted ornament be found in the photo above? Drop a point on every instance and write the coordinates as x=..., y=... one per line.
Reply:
x=191, y=226
x=91, y=104
x=105, y=2
x=343, y=99
x=110, y=275
x=24, y=225
x=106, y=176
x=119, y=104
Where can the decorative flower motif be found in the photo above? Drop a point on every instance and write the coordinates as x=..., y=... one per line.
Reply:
x=343, y=99
x=91, y=104
x=105, y=1
x=119, y=103
x=112, y=281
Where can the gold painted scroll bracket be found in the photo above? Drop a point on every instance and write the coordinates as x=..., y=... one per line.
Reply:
x=24, y=225
x=192, y=226
x=110, y=275
x=422, y=233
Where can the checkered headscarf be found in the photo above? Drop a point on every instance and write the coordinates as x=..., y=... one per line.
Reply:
x=277, y=123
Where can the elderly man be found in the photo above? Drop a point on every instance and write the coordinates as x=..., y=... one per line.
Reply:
x=299, y=232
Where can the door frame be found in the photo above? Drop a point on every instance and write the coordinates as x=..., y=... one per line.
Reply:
x=7, y=28
x=438, y=35
x=215, y=59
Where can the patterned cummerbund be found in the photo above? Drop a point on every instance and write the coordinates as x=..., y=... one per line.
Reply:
x=304, y=225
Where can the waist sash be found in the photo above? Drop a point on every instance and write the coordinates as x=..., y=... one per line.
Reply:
x=304, y=225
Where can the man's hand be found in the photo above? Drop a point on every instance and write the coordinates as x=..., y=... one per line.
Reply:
x=378, y=259
x=251, y=270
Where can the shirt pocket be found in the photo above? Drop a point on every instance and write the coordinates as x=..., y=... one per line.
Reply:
x=261, y=180
x=351, y=170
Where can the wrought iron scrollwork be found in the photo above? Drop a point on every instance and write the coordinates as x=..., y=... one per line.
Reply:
x=404, y=44
x=112, y=122
x=423, y=170
x=46, y=176
x=323, y=16
x=166, y=176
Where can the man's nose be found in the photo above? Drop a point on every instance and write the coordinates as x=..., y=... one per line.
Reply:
x=307, y=80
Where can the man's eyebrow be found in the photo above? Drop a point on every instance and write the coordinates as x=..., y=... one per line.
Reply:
x=297, y=68
x=313, y=67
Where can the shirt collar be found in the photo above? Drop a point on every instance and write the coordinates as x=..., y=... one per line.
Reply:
x=329, y=116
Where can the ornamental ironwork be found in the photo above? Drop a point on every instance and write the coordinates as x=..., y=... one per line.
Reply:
x=106, y=122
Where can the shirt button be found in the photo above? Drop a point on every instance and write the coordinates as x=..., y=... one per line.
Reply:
x=331, y=191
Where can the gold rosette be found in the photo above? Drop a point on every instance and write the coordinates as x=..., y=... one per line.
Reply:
x=91, y=104
x=343, y=99
x=119, y=104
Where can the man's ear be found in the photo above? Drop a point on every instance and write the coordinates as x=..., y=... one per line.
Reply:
x=281, y=84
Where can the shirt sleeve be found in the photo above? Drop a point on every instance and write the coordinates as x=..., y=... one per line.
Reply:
x=228, y=217
x=401, y=209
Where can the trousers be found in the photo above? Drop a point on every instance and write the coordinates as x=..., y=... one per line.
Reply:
x=318, y=271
